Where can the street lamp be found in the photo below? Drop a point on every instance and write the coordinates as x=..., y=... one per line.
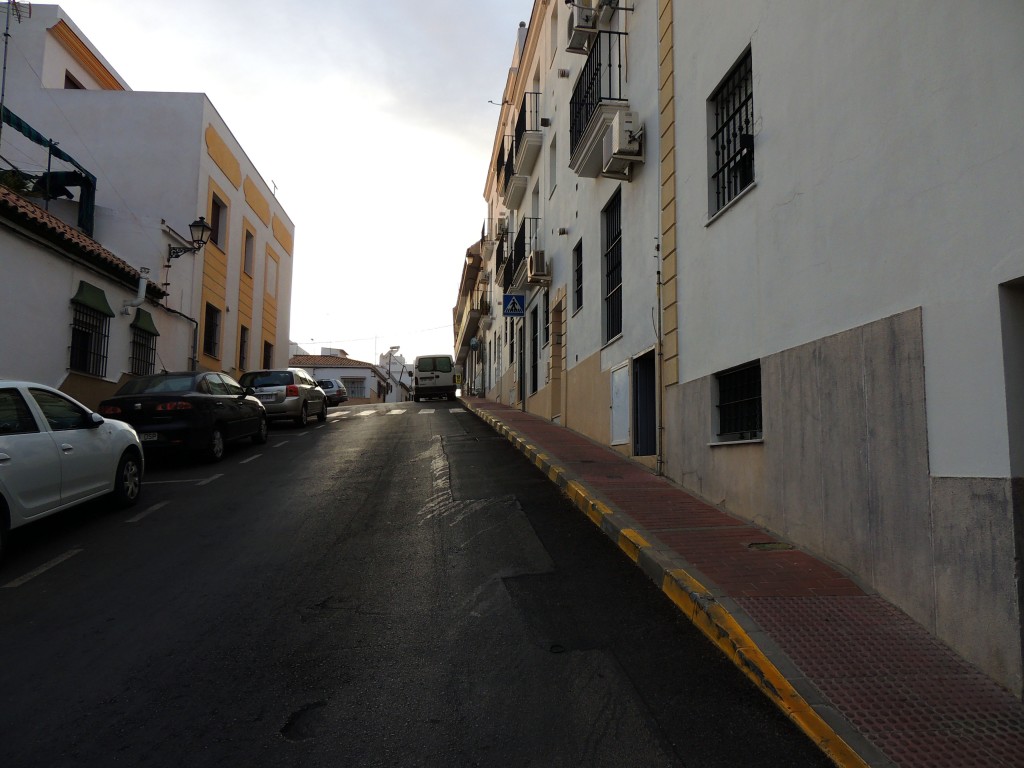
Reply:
x=200, y=232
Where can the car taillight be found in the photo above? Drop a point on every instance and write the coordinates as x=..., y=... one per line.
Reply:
x=175, y=405
x=291, y=391
x=109, y=410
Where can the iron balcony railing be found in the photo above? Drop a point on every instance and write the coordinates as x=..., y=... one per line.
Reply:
x=529, y=117
x=509, y=169
x=599, y=81
x=527, y=239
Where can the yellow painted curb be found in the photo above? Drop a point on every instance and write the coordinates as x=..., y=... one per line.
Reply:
x=694, y=600
x=631, y=543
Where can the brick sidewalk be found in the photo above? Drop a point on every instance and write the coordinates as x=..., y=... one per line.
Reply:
x=868, y=684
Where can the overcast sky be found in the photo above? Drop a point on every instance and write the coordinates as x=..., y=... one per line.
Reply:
x=372, y=118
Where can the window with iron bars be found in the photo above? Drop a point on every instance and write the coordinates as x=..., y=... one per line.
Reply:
x=143, y=352
x=211, y=332
x=731, y=135
x=577, y=274
x=90, y=334
x=739, y=403
x=612, y=216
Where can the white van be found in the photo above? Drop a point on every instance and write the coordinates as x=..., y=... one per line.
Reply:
x=435, y=376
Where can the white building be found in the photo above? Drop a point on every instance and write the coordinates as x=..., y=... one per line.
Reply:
x=836, y=193
x=160, y=161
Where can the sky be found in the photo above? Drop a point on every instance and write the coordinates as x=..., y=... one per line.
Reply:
x=373, y=121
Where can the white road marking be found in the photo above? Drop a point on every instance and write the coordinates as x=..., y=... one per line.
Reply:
x=395, y=413
x=142, y=514
x=427, y=410
x=210, y=480
x=457, y=410
x=366, y=413
x=42, y=569
x=251, y=458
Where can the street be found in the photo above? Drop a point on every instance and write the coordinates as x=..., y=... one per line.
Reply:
x=395, y=587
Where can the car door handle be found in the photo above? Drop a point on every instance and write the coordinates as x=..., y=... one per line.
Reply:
x=4, y=458
x=67, y=447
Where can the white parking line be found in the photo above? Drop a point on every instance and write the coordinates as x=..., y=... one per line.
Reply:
x=42, y=569
x=210, y=479
x=278, y=445
x=251, y=458
x=142, y=514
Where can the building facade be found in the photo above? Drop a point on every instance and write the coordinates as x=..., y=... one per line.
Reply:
x=157, y=162
x=840, y=262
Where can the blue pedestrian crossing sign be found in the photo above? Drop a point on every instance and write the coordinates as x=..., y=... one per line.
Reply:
x=513, y=305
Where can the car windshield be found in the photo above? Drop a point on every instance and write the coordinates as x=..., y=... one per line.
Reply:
x=151, y=385
x=325, y=383
x=266, y=379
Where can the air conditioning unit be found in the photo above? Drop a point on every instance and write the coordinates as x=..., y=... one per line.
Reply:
x=582, y=29
x=537, y=268
x=623, y=146
x=625, y=133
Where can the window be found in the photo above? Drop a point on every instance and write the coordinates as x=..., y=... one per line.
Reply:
x=739, y=403
x=268, y=355
x=218, y=222
x=71, y=83
x=15, y=417
x=552, y=167
x=577, y=276
x=271, y=287
x=60, y=413
x=143, y=352
x=243, y=348
x=512, y=342
x=731, y=135
x=249, y=253
x=90, y=332
x=211, y=331
x=355, y=387
x=612, y=218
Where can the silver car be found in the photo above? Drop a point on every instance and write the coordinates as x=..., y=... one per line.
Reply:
x=55, y=453
x=287, y=393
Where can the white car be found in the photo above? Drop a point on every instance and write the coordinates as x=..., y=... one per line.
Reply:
x=56, y=453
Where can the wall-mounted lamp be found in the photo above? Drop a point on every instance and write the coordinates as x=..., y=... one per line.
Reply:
x=200, y=232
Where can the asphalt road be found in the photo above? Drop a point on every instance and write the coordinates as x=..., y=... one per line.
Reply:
x=396, y=587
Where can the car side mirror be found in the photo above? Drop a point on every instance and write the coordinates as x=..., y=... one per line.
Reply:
x=94, y=420
x=249, y=391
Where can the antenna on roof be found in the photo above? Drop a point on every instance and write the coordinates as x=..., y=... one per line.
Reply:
x=21, y=11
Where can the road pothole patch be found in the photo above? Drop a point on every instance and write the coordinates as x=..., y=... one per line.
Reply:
x=305, y=723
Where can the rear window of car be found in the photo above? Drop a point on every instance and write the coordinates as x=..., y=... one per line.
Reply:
x=154, y=385
x=266, y=379
x=325, y=383
x=440, y=364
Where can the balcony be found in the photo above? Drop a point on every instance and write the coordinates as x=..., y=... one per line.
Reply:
x=513, y=274
x=528, y=136
x=511, y=184
x=596, y=99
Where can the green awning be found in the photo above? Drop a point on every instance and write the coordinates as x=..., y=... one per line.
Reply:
x=92, y=297
x=144, y=322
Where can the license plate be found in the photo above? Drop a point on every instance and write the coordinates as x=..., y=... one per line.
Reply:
x=147, y=437
x=267, y=398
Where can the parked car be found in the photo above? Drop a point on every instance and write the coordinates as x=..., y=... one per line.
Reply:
x=336, y=391
x=195, y=411
x=435, y=376
x=288, y=393
x=55, y=453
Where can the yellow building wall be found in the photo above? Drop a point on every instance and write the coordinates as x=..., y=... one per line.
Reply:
x=588, y=399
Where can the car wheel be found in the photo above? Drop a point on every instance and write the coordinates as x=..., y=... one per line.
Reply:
x=260, y=437
x=128, y=480
x=303, y=418
x=215, y=446
x=322, y=416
